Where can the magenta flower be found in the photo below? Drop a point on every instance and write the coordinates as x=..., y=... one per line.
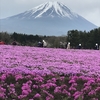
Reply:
x=49, y=95
x=54, y=80
x=57, y=90
x=25, y=86
x=2, y=95
x=25, y=92
x=3, y=77
x=77, y=93
x=12, y=85
x=66, y=92
x=92, y=92
x=19, y=76
x=97, y=89
x=35, y=86
x=48, y=98
x=77, y=97
x=87, y=88
x=72, y=81
x=22, y=96
x=72, y=89
x=37, y=95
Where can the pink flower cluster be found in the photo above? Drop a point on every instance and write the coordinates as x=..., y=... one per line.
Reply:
x=50, y=88
x=26, y=59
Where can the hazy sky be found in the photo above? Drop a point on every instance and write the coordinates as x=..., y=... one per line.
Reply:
x=89, y=9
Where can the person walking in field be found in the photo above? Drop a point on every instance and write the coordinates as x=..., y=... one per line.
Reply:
x=14, y=43
x=96, y=46
x=79, y=46
x=44, y=43
x=68, y=45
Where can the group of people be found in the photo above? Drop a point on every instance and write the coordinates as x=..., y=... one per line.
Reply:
x=13, y=43
x=42, y=44
x=97, y=47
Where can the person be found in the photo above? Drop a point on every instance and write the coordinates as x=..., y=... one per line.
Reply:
x=44, y=43
x=14, y=43
x=79, y=46
x=96, y=46
x=40, y=44
x=68, y=45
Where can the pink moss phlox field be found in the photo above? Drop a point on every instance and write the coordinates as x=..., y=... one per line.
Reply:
x=32, y=73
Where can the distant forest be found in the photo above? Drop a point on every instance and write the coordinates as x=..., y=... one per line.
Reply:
x=88, y=40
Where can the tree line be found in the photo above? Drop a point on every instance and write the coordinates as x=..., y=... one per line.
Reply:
x=75, y=37
x=30, y=40
x=88, y=40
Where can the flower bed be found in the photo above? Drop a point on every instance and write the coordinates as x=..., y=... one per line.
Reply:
x=30, y=73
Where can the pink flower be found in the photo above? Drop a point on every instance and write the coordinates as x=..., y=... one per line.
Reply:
x=87, y=88
x=66, y=92
x=57, y=90
x=97, y=89
x=37, y=95
x=21, y=96
x=72, y=81
x=77, y=97
x=62, y=78
x=12, y=85
x=25, y=86
x=53, y=80
x=29, y=82
x=2, y=90
x=49, y=95
x=35, y=86
x=3, y=77
x=48, y=98
x=25, y=92
x=77, y=93
x=92, y=92
x=63, y=86
x=2, y=95
x=72, y=89
x=19, y=76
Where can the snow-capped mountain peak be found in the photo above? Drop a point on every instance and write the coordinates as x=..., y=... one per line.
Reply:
x=50, y=18
x=51, y=9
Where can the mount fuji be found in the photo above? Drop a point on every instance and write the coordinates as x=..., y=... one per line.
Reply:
x=50, y=18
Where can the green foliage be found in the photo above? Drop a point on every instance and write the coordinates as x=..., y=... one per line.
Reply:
x=87, y=39
x=75, y=37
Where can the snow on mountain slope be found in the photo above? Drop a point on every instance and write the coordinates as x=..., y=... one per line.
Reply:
x=54, y=7
x=48, y=9
x=50, y=18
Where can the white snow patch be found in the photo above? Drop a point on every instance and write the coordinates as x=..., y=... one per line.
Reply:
x=59, y=8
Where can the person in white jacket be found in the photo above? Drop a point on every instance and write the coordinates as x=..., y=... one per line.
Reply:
x=68, y=45
x=44, y=43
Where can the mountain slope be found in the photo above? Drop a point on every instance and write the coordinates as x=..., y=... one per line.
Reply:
x=50, y=18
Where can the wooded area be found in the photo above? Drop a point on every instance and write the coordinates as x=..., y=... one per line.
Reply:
x=88, y=40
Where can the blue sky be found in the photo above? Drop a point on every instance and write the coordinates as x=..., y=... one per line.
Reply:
x=89, y=9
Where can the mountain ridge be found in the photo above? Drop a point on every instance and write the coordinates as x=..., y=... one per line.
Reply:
x=50, y=18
